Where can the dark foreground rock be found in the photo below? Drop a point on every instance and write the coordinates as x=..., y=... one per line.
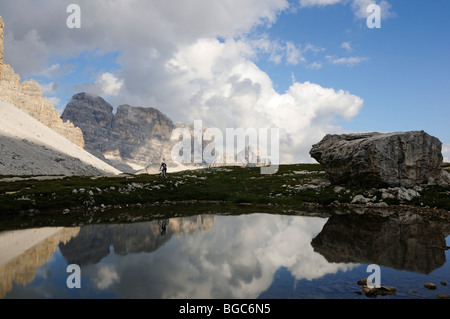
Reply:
x=381, y=159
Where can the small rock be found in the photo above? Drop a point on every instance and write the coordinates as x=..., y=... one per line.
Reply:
x=430, y=286
x=407, y=194
x=359, y=199
x=387, y=290
x=443, y=296
x=66, y=211
x=338, y=189
x=443, y=283
x=373, y=292
x=370, y=292
x=362, y=282
x=386, y=195
x=381, y=204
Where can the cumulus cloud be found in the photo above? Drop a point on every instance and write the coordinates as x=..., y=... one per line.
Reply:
x=108, y=84
x=239, y=94
x=106, y=276
x=293, y=54
x=279, y=51
x=171, y=58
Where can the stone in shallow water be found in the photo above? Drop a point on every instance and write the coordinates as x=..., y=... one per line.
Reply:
x=430, y=286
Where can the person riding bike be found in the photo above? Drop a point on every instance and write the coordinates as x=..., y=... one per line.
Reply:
x=163, y=168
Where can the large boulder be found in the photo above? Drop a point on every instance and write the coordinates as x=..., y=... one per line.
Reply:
x=380, y=159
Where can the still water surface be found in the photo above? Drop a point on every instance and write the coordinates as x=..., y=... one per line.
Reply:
x=215, y=256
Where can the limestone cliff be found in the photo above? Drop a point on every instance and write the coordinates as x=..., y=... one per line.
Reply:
x=136, y=139
x=28, y=97
x=130, y=139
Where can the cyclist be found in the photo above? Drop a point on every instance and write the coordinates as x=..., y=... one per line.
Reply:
x=163, y=168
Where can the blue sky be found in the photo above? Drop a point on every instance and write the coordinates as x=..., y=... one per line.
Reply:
x=310, y=67
x=405, y=81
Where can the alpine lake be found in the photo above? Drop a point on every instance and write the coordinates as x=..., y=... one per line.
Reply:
x=220, y=248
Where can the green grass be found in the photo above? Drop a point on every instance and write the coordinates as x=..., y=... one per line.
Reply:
x=32, y=199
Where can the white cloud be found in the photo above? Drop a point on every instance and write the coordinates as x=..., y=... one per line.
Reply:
x=49, y=88
x=314, y=66
x=293, y=54
x=49, y=91
x=348, y=61
x=240, y=95
x=310, y=3
x=106, y=276
x=278, y=50
x=346, y=46
x=108, y=84
x=171, y=59
x=49, y=72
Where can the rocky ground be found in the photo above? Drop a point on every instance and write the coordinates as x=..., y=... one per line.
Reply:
x=301, y=187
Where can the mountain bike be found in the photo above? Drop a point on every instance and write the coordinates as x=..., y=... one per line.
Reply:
x=164, y=174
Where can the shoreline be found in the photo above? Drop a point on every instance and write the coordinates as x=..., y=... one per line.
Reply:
x=297, y=188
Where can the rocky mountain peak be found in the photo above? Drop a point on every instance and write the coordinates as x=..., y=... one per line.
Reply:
x=93, y=101
x=28, y=97
x=130, y=139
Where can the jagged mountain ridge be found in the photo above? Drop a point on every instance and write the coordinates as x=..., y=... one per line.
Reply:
x=130, y=139
x=136, y=139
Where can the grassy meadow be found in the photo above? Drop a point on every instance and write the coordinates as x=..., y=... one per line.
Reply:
x=68, y=201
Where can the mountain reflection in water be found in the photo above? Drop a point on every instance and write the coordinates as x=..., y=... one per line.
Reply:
x=214, y=256
x=93, y=242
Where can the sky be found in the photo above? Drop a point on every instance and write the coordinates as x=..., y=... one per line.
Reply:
x=306, y=67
